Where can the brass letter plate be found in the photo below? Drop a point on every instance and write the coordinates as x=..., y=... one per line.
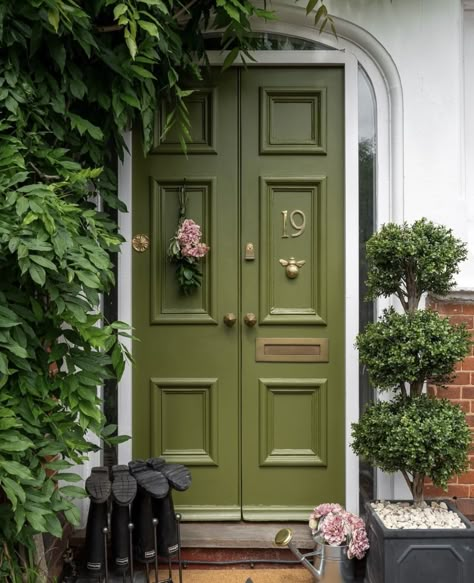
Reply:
x=292, y=350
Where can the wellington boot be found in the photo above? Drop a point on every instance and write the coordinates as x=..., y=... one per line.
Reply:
x=153, y=482
x=163, y=509
x=143, y=533
x=124, y=490
x=178, y=476
x=98, y=487
x=95, y=551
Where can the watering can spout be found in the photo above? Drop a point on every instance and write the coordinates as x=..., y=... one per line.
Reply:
x=284, y=538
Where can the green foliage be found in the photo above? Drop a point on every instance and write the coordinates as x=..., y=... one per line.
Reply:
x=420, y=435
x=411, y=348
x=410, y=260
x=416, y=434
x=73, y=77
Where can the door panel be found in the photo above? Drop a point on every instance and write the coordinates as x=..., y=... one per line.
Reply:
x=255, y=412
x=292, y=177
x=186, y=378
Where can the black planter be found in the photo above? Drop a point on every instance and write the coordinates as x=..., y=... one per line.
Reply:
x=419, y=556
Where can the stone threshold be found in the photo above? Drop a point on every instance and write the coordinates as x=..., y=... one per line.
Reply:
x=230, y=535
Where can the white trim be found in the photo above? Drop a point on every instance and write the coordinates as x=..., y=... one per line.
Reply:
x=124, y=287
x=359, y=47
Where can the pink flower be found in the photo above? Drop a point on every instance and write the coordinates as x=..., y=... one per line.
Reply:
x=333, y=529
x=189, y=233
x=359, y=543
x=335, y=526
x=199, y=250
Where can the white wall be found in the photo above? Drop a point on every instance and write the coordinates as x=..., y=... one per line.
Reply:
x=425, y=40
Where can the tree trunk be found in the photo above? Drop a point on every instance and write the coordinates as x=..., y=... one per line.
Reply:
x=417, y=490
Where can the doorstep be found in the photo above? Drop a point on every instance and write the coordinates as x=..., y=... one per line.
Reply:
x=230, y=535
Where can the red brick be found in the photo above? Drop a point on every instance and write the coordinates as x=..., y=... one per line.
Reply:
x=465, y=406
x=459, y=490
x=459, y=366
x=434, y=492
x=450, y=309
x=470, y=420
x=467, y=392
x=450, y=392
x=467, y=363
x=461, y=319
x=468, y=308
x=432, y=390
x=466, y=478
x=472, y=378
x=462, y=378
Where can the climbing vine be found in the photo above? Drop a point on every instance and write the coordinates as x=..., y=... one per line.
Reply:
x=73, y=77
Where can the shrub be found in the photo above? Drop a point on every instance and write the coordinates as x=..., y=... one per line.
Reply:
x=415, y=434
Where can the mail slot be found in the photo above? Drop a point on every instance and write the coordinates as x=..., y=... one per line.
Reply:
x=292, y=350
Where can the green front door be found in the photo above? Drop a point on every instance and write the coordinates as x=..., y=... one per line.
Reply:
x=256, y=410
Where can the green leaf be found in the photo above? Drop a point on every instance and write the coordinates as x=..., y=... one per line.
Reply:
x=43, y=261
x=73, y=492
x=16, y=469
x=149, y=27
x=15, y=446
x=53, y=18
x=158, y=3
x=68, y=477
x=142, y=72
x=230, y=58
x=37, y=274
x=3, y=364
x=119, y=10
x=132, y=46
x=311, y=5
x=73, y=516
x=53, y=525
x=15, y=488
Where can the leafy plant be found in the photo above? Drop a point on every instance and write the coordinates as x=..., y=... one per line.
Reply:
x=415, y=433
x=73, y=77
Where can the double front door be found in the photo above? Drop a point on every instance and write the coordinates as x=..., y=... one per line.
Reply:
x=243, y=380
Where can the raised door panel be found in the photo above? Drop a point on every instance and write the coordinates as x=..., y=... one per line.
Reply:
x=168, y=304
x=293, y=229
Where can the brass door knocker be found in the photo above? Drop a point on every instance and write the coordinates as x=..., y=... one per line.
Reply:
x=292, y=267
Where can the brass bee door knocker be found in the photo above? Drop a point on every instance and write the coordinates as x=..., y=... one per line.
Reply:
x=292, y=267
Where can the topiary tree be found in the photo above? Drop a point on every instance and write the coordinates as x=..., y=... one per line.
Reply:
x=416, y=434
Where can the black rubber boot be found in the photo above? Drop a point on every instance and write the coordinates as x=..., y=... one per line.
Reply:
x=98, y=487
x=124, y=491
x=151, y=485
x=179, y=478
x=163, y=510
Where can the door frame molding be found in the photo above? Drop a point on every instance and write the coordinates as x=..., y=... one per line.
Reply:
x=351, y=228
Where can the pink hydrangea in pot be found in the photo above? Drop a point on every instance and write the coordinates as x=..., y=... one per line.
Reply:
x=332, y=525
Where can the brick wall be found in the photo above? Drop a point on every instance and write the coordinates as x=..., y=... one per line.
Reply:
x=461, y=392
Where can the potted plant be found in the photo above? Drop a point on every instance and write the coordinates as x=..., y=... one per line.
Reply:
x=414, y=433
x=340, y=538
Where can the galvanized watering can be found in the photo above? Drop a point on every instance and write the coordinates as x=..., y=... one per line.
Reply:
x=329, y=564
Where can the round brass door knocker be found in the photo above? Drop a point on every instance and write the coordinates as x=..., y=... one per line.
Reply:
x=140, y=242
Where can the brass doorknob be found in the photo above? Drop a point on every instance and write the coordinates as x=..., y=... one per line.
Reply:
x=230, y=319
x=250, y=319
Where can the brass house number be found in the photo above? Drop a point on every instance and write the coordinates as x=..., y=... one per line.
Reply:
x=297, y=220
